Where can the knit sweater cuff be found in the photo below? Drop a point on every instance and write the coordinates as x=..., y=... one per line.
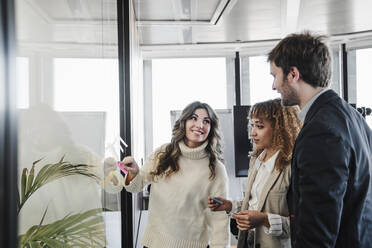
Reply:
x=135, y=185
x=110, y=187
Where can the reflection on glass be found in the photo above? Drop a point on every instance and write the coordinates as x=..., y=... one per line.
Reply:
x=177, y=82
x=83, y=84
x=260, y=80
x=68, y=175
x=23, y=82
x=68, y=100
x=363, y=78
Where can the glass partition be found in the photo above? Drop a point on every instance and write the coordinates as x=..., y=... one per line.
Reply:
x=260, y=80
x=363, y=80
x=23, y=82
x=68, y=103
x=178, y=82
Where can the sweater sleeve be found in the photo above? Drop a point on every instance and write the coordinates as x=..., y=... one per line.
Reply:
x=144, y=176
x=219, y=220
x=110, y=187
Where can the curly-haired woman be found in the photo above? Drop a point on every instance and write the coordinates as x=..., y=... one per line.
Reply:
x=262, y=217
x=183, y=174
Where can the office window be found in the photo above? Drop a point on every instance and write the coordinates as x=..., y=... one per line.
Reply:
x=83, y=84
x=23, y=82
x=260, y=80
x=73, y=112
x=178, y=82
x=363, y=80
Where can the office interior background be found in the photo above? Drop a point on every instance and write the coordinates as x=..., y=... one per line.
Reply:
x=85, y=80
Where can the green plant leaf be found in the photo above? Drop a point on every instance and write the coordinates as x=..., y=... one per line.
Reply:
x=30, y=179
x=35, y=245
x=55, y=243
x=48, y=173
x=23, y=184
x=77, y=230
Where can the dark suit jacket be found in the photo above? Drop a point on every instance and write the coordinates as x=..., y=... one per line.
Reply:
x=330, y=197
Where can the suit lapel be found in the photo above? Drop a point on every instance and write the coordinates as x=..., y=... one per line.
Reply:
x=327, y=96
x=268, y=185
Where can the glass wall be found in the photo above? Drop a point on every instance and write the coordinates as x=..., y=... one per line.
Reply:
x=23, y=82
x=260, y=80
x=178, y=82
x=363, y=80
x=68, y=99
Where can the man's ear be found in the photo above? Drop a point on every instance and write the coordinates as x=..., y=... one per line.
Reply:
x=294, y=74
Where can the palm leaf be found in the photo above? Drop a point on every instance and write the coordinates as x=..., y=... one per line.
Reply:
x=48, y=173
x=35, y=245
x=79, y=230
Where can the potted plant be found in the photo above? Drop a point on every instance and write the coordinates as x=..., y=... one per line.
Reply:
x=84, y=229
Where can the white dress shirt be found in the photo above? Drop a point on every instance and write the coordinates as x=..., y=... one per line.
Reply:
x=302, y=114
x=264, y=169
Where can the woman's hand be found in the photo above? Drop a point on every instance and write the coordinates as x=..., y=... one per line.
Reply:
x=227, y=205
x=130, y=165
x=250, y=219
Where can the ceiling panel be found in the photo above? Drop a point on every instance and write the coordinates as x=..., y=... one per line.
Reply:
x=70, y=10
x=68, y=22
x=178, y=22
x=335, y=16
x=247, y=20
x=164, y=10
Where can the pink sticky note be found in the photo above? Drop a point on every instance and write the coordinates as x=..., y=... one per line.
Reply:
x=121, y=167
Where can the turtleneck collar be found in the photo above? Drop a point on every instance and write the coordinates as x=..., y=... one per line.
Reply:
x=193, y=153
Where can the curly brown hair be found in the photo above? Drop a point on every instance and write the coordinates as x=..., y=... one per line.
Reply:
x=285, y=124
x=167, y=158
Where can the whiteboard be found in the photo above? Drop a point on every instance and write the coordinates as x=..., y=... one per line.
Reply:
x=83, y=128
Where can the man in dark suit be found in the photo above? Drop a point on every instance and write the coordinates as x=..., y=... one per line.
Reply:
x=330, y=196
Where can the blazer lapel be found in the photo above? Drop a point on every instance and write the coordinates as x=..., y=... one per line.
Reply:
x=250, y=179
x=268, y=185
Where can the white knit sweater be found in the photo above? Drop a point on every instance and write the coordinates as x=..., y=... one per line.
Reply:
x=179, y=216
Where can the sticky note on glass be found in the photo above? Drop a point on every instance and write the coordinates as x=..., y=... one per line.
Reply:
x=121, y=167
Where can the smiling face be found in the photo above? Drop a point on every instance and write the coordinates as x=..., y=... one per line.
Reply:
x=261, y=133
x=281, y=85
x=198, y=127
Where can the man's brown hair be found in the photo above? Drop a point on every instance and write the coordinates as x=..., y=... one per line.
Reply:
x=308, y=53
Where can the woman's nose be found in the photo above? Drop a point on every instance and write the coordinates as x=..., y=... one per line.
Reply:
x=253, y=132
x=273, y=86
x=199, y=124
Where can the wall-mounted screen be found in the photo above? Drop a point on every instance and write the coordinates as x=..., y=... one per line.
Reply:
x=242, y=143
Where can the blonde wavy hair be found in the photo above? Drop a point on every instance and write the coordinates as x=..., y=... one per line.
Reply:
x=167, y=159
x=285, y=124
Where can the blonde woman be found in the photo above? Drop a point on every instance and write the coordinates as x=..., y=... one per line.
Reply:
x=262, y=217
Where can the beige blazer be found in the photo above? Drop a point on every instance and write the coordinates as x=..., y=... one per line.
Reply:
x=273, y=200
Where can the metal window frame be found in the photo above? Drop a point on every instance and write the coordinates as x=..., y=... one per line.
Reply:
x=8, y=128
x=123, y=8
